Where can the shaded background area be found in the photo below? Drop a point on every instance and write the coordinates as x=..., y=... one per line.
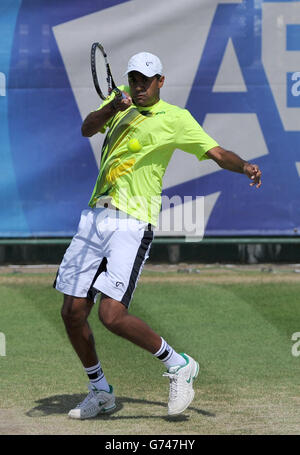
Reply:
x=233, y=63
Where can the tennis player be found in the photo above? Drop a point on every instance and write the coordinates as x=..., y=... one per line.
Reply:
x=115, y=233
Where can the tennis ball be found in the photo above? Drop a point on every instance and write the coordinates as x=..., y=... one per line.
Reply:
x=133, y=145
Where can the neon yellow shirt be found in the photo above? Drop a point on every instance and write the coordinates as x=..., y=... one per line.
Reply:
x=133, y=177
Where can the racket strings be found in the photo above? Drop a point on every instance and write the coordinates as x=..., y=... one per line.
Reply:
x=101, y=72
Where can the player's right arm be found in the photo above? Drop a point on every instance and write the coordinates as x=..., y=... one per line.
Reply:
x=96, y=120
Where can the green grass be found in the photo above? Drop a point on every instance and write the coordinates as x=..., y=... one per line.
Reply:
x=239, y=332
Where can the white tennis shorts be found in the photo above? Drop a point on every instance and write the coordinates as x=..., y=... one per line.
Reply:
x=107, y=255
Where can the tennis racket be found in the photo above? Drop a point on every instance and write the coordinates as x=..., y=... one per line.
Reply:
x=102, y=77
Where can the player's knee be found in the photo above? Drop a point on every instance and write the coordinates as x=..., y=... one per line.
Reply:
x=111, y=315
x=109, y=319
x=73, y=315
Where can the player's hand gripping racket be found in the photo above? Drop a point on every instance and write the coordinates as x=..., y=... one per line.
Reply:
x=102, y=77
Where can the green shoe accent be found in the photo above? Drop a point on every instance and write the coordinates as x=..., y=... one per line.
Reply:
x=111, y=389
x=107, y=410
x=185, y=358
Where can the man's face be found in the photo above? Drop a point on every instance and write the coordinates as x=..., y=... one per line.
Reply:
x=144, y=90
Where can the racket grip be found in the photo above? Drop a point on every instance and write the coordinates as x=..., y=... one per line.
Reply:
x=119, y=94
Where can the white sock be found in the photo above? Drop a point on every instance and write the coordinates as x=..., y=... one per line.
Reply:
x=97, y=378
x=168, y=356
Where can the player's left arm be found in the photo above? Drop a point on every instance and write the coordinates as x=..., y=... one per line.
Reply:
x=232, y=162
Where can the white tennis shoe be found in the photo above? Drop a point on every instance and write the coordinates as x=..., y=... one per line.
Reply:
x=96, y=402
x=181, y=385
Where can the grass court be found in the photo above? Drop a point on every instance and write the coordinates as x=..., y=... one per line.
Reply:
x=237, y=322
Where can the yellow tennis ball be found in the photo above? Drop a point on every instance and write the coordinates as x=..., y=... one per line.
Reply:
x=133, y=145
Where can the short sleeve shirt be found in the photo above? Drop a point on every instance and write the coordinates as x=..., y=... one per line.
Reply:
x=133, y=177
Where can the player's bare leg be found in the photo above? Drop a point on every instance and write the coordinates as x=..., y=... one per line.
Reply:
x=100, y=399
x=114, y=315
x=182, y=369
x=75, y=312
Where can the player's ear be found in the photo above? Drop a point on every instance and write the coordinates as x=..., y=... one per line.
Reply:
x=161, y=81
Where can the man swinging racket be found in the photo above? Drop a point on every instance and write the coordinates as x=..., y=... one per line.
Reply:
x=114, y=235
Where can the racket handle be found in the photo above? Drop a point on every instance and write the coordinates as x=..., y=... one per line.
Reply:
x=119, y=94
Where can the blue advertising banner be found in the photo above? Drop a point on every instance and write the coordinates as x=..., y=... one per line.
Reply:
x=234, y=64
